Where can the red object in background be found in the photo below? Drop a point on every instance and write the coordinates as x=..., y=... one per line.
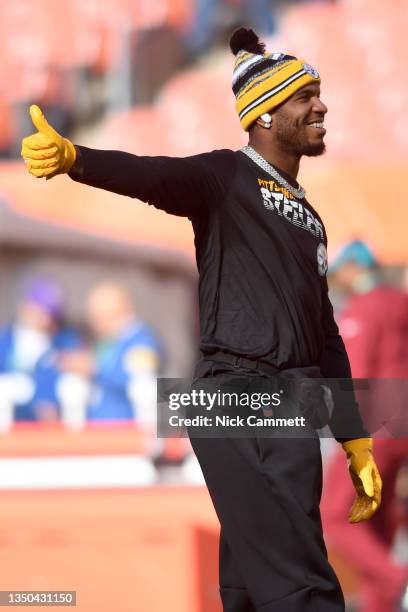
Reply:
x=374, y=326
x=366, y=546
x=147, y=549
x=125, y=550
x=206, y=576
x=55, y=440
x=121, y=549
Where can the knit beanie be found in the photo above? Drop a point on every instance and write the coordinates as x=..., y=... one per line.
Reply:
x=261, y=80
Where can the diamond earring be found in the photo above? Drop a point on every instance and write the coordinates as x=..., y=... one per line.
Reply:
x=267, y=119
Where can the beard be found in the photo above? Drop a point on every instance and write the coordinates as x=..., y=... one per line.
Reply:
x=294, y=140
x=313, y=150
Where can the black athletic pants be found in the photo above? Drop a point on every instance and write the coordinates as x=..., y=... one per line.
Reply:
x=266, y=492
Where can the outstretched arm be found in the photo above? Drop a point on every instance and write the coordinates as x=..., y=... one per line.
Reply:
x=181, y=186
x=184, y=186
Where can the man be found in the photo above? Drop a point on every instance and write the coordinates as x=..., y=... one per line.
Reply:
x=264, y=309
x=124, y=361
x=374, y=325
x=29, y=349
x=377, y=345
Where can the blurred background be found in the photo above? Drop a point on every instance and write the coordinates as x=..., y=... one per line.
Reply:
x=99, y=292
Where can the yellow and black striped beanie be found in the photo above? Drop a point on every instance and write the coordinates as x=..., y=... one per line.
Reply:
x=262, y=80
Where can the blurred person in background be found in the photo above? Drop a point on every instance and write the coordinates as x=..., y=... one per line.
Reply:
x=260, y=245
x=375, y=314
x=374, y=326
x=124, y=359
x=29, y=348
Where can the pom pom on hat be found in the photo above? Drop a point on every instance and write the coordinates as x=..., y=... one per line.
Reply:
x=245, y=39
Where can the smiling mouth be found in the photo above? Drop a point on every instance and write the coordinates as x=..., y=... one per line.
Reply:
x=318, y=126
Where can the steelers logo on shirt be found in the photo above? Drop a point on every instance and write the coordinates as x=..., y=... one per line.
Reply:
x=322, y=264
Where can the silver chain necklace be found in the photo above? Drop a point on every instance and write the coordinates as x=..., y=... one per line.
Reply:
x=262, y=163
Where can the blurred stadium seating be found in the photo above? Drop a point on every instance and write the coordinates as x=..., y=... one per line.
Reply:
x=358, y=198
x=359, y=52
x=359, y=49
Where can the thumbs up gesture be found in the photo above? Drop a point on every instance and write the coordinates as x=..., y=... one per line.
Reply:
x=46, y=152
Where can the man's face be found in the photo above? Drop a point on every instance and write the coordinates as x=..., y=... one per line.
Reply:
x=297, y=124
x=108, y=310
x=345, y=276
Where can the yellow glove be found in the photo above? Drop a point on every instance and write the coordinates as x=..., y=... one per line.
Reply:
x=46, y=152
x=366, y=478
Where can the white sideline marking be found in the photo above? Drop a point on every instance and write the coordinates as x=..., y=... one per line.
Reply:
x=76, y=472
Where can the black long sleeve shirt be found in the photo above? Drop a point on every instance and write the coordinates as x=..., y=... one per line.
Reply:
x=261, y=254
